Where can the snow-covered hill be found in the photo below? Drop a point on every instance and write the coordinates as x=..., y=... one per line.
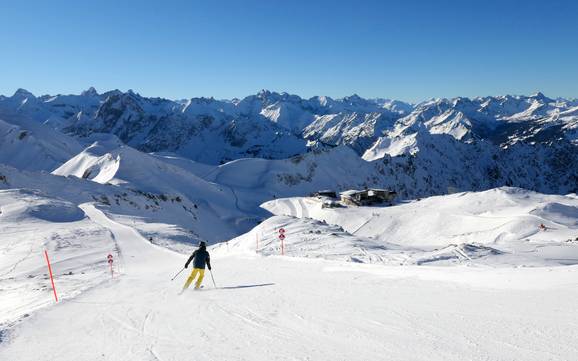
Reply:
x=194, y=201
x=501, y=226
x=290, y=306
x=26, y=144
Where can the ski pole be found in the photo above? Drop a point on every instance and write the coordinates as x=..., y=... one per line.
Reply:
x=213, y=278
x=178, y=273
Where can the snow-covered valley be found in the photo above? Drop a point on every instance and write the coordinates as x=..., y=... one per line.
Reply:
x=476, y=258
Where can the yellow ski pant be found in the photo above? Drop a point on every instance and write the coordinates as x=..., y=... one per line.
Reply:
x=200, y=272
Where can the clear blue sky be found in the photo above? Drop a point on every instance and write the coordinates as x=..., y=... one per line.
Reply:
x=408, y=50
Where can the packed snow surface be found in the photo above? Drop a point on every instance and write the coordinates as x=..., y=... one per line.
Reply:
x=30, y=223
x=267, y=306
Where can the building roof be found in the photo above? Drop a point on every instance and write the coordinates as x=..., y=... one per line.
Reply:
x=350, y=192
x=371, y=191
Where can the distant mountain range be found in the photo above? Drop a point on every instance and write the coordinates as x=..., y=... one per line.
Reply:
x=419, y=149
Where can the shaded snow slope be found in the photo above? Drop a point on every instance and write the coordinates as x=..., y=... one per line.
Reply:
x=255, y=181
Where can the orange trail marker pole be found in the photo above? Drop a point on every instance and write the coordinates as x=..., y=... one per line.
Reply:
x=51, y=278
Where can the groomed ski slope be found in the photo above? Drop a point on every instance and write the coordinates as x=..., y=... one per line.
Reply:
x=281, y=308
x=500, y=227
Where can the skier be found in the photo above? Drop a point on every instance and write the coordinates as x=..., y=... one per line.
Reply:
x=200, y=257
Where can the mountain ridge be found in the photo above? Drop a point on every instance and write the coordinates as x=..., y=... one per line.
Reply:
x=422, y=149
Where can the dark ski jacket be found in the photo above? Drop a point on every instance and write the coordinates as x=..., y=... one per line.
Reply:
x=200, y=257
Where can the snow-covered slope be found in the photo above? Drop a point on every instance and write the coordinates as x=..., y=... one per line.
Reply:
x=499, y=226
x=287, y=307
x=208, y=209
x=186, y=207
x=28, y=145
x=199, y=202
x=358, y=130
x=32, y=222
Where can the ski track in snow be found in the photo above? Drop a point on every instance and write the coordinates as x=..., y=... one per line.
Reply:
x=277, y=308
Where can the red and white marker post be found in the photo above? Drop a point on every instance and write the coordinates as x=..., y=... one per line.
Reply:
x=281, y=238
x=109, y=257
x=51, y=278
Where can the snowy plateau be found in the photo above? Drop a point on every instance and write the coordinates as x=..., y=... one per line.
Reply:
x=476, y=258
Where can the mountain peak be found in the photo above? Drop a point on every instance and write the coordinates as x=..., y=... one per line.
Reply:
x=23, y=93
x=268, y=94
x=263, y=93
x=540, y=96
x=353, y=97
x=89, y=92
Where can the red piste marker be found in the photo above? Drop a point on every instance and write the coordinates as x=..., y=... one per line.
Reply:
x=51, y=278
x=110, y=263
x=282, y=237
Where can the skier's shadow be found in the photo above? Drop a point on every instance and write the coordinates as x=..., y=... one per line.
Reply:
x=246, y=286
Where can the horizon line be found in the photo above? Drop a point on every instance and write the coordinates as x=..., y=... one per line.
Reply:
x=354, y=94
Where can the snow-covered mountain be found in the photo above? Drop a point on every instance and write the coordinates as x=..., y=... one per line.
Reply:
x=419, y=150
x=193, y=200
x=502, y=120
x=266, y=125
